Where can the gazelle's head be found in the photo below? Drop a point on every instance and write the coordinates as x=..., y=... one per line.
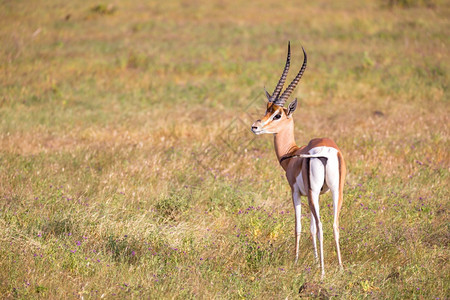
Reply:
x=277, y=116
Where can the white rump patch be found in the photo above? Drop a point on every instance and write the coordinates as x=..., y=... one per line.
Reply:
x=332, y=169
x=322, y=151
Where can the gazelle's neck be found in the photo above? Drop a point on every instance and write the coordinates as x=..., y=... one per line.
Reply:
x=284, y=140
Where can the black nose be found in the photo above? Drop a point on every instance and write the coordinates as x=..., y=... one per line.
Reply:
x=254, y=127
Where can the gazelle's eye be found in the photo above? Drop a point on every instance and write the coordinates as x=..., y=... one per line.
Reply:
x=277, y=117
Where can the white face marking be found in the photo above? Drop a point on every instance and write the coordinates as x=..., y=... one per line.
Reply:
x=261, y=124
x=278, y=111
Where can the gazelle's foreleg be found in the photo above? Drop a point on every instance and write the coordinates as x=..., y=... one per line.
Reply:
x=316, y=181
x=298, y=216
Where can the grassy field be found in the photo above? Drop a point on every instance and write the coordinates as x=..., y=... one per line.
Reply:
x=128, y=169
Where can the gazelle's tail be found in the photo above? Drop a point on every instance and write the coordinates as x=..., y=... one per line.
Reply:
x=313, y=155
x=317, y=152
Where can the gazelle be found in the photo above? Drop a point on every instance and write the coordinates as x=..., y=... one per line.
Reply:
x=310, y=170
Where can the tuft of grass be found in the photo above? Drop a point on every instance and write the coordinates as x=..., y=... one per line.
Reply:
x=170, y=207
x=124, y=249
x=103, y=9
x=412, y=3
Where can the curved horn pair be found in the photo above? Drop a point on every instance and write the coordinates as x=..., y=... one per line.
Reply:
x=280, y=84
x=283, y=98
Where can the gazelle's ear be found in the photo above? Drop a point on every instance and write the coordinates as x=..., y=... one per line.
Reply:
x=292, y=106
x=267, y=94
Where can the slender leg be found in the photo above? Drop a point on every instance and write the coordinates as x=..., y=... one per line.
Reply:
x=314, y=235
x=315, y=201
x=333, y=182
x=342, y=173
x=317, y=177
x=335, y=195
x=298, y=216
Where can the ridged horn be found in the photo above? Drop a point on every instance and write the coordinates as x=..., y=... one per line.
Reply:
x=283, y=98
x=280, y=84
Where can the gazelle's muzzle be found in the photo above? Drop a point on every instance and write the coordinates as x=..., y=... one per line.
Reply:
x=257, y=127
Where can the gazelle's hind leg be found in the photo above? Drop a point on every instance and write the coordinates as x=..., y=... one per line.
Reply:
x=333, y=182
x=314, y=234
x=316, y=180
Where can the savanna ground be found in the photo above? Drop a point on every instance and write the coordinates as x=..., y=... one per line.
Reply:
x=128, y=170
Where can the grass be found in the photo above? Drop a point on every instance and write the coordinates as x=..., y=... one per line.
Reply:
x=128, y=170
